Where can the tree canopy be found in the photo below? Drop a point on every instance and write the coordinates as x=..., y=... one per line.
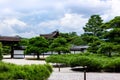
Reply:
x=37, y=45
x=60, y=45
x=93, y=25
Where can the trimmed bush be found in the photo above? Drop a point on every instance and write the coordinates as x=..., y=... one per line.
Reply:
x=112, y=65
x=91, y=63
x=28, y=72
x=64, y=59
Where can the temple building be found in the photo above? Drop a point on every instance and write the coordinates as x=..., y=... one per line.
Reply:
x=12, y=42
x=54, y=34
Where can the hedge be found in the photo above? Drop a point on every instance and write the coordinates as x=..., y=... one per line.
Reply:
x=10, y=71
x=93, y=62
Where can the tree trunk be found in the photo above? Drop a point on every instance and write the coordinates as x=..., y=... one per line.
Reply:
x=38, y=57
x=59, y=52
x=12, y=52
x=109, y=53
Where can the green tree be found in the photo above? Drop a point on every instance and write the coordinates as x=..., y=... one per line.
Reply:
x=93, y=25
x=93, y=33
x=24, y=42
x=6, y=49
x=112, y=35
x=112, y=30
x=93, y=47
x=37, y=45
x=60, y=45
x=106, y=48
x=77, y=40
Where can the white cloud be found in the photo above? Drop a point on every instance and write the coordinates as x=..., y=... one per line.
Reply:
x=68, y=23
x=6, y=29
x=32, y=17
x=11, y=26
x=28, y=34
x=115, y=10
x=14, y=21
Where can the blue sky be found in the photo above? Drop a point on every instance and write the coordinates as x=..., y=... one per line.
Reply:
x=29, y=18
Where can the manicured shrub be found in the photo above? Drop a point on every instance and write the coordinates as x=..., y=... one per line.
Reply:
x=28, y=72
x=94, y=62
x=58, y=59
x=36, y=72
x=49, y=67
x=91, y=63
x=113, y=65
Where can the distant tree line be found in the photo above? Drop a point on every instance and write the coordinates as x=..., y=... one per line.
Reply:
x=101, y=37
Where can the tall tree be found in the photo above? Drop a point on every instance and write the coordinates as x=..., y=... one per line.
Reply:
x=37, y=45
x=93, y=25
x=93, y=33
x=112, y=35
x=60, y=45
x=112, y=29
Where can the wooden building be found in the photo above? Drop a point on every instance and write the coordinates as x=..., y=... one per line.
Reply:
x=18, y=52
x=54, y=34
x=78, y=48
x=10, y=41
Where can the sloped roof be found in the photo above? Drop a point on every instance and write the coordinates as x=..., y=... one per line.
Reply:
x=7, y=38
x=51, y=35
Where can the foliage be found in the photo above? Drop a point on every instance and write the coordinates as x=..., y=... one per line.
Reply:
x=106, y=48
x=28, y=72
x=113, y=65
x=58, y=59
x=93, y=25
x=94, y=62
x=6, y=50
x=111, y=34
x=77, y=40
x=93, y=47
x=60, y=45
x=37, y=45
x=24, y=42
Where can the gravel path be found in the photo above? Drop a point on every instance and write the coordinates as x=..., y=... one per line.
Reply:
x=67, y=74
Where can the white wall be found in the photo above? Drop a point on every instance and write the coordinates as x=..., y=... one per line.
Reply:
x=18, y=53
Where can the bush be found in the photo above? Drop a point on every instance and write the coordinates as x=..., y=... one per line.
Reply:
x=28, y=72
x=112, y=65
x=36, y=72
x=92, y=64
x=49, y=67
x=58, y=59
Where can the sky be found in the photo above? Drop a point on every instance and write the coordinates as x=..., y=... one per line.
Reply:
x=30, y=18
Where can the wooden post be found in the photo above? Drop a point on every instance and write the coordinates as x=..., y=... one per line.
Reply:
x=85, y=72
x=58, y=67
x=12, y=52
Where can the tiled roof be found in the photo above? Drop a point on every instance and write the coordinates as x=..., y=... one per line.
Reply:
x=51, y=35
x=6, y=38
